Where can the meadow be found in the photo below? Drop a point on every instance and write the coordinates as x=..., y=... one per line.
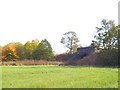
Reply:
x=53, y=76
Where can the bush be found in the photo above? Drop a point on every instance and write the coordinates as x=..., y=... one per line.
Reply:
x=108, y=57
x=64, y=57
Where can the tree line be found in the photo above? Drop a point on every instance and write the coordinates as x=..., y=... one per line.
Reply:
x=30, y=50
x=106, y=40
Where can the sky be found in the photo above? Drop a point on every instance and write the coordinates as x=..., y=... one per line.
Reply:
x=25, y=20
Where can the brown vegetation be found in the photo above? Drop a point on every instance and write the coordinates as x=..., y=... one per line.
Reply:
x=31, y=62
x=39, y=62
x=88, y=60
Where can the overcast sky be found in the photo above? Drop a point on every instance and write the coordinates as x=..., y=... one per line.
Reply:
x=25, y=20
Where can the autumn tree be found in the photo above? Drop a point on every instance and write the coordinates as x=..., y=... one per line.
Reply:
x=30, y=47
x=70, y=41
x=34, y=44
x=28, y=50
x=9, y=53
x=20, y=50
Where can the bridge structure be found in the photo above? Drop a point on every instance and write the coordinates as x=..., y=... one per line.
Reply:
x=82, y=52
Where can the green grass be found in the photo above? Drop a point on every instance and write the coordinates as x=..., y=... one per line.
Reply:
x=58, y=77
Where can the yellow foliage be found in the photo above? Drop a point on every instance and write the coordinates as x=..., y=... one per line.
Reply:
x=9, y=53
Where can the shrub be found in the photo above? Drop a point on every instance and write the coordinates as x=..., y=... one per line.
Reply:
x=108, y=57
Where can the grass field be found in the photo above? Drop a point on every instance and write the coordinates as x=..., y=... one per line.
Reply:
x=59, y=77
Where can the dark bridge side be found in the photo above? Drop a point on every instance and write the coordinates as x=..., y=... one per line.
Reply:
x=82, y=52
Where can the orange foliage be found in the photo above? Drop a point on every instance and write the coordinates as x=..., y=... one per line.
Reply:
x=9, y=53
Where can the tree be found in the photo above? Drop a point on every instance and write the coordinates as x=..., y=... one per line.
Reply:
x=70, y=41
x=107, y=35
x=43, y=51
x=30, y=47
x=34, y=44
x=20, y=50
x=9, y=53
x=28, y=50
x=107, y=40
